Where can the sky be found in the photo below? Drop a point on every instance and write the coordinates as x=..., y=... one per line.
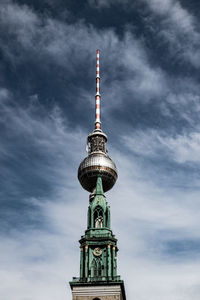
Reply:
x=149, y=67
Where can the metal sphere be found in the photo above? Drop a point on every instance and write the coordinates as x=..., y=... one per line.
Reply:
x=94, y=164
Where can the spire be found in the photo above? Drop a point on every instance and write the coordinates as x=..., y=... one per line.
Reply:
x=99, y=186
x=98, y=96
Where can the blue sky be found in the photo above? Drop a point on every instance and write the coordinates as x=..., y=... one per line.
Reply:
x=149, y=64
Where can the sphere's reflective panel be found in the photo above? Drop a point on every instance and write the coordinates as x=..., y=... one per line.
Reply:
x=94, y=164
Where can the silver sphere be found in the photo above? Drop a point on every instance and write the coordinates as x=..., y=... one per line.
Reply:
x=94, y=164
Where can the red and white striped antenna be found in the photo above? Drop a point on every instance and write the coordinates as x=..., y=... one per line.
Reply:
x=98, y=96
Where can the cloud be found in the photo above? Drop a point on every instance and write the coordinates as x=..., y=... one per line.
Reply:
x=50, y=43
x=152, y=143
x=38, y=155
x=169, y=20
x=34, y=227
x=179, y=27
x=99, y=4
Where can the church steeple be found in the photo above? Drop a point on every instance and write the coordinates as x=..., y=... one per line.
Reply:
x=98, y=210
x=97, y=174
x=98, y=245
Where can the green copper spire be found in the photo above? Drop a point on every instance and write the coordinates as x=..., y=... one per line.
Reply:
x=98, y=210
x=99, y=186
x=98, y=246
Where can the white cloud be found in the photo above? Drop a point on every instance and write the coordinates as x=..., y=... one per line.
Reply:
x=176, y=25
x=48, y=40
x=179, y=27
x=129, y=73
x=181, y=148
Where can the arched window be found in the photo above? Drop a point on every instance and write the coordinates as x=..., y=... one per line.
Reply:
x=98, y=217
x=96, y=299
x=96, y=266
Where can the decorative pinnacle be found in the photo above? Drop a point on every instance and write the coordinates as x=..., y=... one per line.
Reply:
x=97, y=96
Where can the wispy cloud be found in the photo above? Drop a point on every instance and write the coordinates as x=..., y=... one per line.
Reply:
x=173, y=22
x=180, y=148
x=179, y=27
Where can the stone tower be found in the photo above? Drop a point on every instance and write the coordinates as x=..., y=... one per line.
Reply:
x=98, y=247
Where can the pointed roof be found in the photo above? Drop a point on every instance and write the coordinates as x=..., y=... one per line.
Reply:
x=99, y=186
x=99, y=197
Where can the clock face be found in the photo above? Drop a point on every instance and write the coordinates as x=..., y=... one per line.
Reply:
x=97, y=251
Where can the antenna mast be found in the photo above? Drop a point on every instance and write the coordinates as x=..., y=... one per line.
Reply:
x=97, y=96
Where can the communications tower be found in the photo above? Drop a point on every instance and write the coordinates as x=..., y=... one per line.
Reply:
x=97, y=174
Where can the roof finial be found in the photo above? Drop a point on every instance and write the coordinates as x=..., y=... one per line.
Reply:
x=98, y=96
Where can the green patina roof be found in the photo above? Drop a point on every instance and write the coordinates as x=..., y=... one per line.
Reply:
x=102, y=269
x=99, y=186
x=99, y=198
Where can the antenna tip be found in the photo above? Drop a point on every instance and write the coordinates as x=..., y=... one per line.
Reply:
x=97, y=51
